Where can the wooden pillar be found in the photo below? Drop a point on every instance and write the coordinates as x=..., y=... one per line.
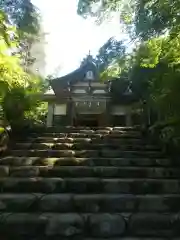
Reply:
x=49, y=120
x=108, y=115
x=105, y=117
x=69, y=119
x=128, y=120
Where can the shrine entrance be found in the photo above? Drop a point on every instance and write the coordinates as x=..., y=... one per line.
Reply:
x=86, y=120
x=89, y=113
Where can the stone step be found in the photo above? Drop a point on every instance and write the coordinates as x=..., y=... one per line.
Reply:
x=77, y=226
x=89, y=185
x=92, y=131
x=85, y=145
x=90, y=134
x=71, y=161
x=79, y=128
x=130, y=238
x=87, y=171
x=105, y=153
x=94, y=203
x=98, y=140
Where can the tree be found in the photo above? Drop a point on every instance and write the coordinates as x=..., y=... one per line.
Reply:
x=23, y=14
x=157, y=55
x=143, y=18
x=108, y=53
x=155, y=74
x=153, y=67
x=109, y=56
x=10, y=71
x=19, y=90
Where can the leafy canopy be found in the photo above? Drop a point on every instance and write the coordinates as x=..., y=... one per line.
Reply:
x=19, y=91
x=110, y=51
x=153, y=67
x=143, y=18
x=23, y=14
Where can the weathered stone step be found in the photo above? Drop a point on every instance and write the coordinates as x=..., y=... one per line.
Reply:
x=89, y=185
x=130, y=238
x=85, y=145
x=98, y=140
x=105, y=153
x=102, y=225
x=79, y=128
x=91, y=131
x=87, y=171
x=71, y=161
x=93, y=203
x=91, y=134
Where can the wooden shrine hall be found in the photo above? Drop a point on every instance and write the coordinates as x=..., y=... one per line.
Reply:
x=82, y=99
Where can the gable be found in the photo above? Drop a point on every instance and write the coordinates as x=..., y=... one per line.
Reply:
x=85, y=74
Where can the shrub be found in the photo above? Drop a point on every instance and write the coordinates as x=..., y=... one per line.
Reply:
x=4, y=139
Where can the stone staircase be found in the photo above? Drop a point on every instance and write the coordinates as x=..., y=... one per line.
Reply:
x=105, y=183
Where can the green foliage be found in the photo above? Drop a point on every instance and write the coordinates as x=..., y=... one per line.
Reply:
x=22, y=106
x=144, y=19
x=19, y=91
x=112, y=71
x=1, y=130
x=108, y=53
x=37, y=114
x=96, y=8
x=153, y=67
x=11, y=73
x=23, y=14
x=110, y=59
x=4, y=139
x=147, y=55
x=14, y=103
x=163, y=78
x=155, y=75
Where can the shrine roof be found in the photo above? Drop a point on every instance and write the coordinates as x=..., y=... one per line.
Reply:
x=75, y=76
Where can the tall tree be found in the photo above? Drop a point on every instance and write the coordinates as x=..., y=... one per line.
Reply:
x=18, y=89
x=25, y=16
x=144, y=18
x=153, y=67
x=109, y=52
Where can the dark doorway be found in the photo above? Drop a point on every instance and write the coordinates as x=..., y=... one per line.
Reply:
x=86, y=120
x=119, y=120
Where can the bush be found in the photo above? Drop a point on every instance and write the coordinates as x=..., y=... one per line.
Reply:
x=4, y=139
x=23, y=110
x=167, y=134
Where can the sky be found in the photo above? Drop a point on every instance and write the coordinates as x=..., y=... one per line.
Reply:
x=70, y=37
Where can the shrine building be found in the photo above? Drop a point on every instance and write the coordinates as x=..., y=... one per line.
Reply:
x=82, y=99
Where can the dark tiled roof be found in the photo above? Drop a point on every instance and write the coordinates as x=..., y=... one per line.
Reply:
x=118, y=86
x=75, y=76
